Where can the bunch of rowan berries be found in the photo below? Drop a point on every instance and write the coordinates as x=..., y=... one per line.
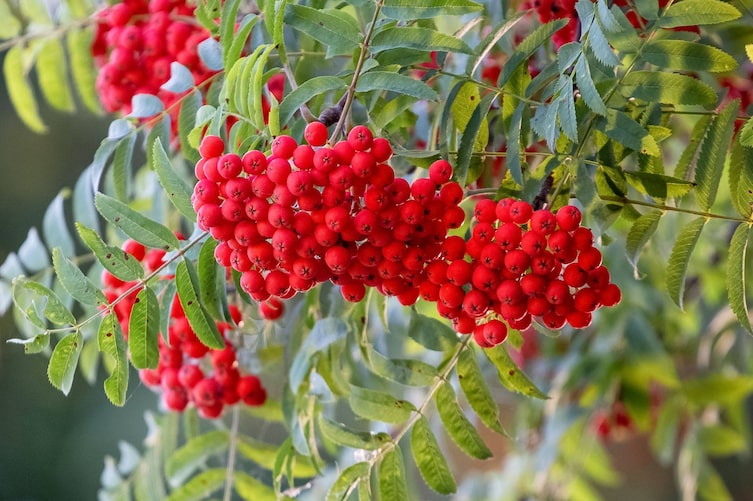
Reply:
x=309, y=213
x=517, y=265
x=135, y=43
x=188, y=371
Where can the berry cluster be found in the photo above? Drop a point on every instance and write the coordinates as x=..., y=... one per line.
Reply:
x=188, y=371
x=311, y=213
x=520, y=264
x=136, y=42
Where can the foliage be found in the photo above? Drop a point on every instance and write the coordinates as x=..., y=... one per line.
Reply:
x=635, y=112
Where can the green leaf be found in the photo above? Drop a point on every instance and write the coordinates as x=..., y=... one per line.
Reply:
x=379, y=406
x=664, y=434
x=339, y=35
x=697, y=13
x=668, y=88
x=527, y=47
x=639, y=235
x=587, y=87
x=228, y=19
x=430, y=458
x=678, y=261
x=134, y=224
x=408, y=10
x=75, y=282
x=622, y=128
x=431, y=333
x=184, y=461
x=458, y=427
x=146, y=106
x=683, y=55
x=510, y=374
x=110, y=341
x=210, y=53
x=404, y=371
x=476, y=390
x=33, y=252
x=392, y=483
x=309, y=89
x=52, y=75
x=514, y=146
x=711, y=486
x=30, y=297
x=738, y=247
x=395, y=82
x=84, y=211
x=474, y=137
x=10, y=26
x=114, y=259
x=264, y=455
x=186, y=121
x=342, y=435
x=63, y=361
x=481, y=51
x=325, y=332
x=348, y=481
x=741, y=179
x=251, y=489
x=55, y=227
x=692, y=145
x=143, y=330
x=713, y=153
x=717, y=388
x=746, y=133
x=211, y=280
x=36, y=344
x=187, y=282
x=19, y=89
x=233, y=52
x=201, y=486
x=175, y=187
x=414, y=37
x=84, y=74
x=720, y=440
x=658, y=185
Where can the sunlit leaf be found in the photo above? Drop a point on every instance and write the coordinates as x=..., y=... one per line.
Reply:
x=666, y=87
x=187, y=282
x=458, y=427
x=639, y=235
x=427, y=9
x=429, y=458
x=687, y=56
x=134, y=224
x=678, y=261
x=510, y=374
x=52, y=75
x=324, y=26
x=476, y=390
x=143, y=330
x=175, y=187
x=379, y=406
x=19, y=89
x=201, y=486
x=114, y=259
x=75, y=282
x=713, y=153
x=395, y=82
x=348, y=481
x=414, y=37
x=697, y=13
x=738, y=247
x=111, y=342
x=342, y=435
x=184, y=461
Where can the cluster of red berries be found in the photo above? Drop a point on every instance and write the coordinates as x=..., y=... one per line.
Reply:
x=520, y=264
x=135, y=43
x=188, y=371
x=311, y=213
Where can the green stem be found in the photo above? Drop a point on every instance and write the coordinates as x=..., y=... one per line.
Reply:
x=351, y=92
x=670, y=208
x=230, y=472
x=59, y=31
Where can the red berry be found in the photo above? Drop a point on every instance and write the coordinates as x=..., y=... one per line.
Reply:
x=360, y=138
x=316, y=134
x=211, y=146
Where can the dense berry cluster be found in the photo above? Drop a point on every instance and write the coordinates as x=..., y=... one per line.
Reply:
x=311, y=213
x=136, y=42
x=188, y=371
x=520, y=264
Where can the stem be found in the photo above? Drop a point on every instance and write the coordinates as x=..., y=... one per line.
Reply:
x=710, y=215
x=351, y=92
x=57, y=32
x=228, y=494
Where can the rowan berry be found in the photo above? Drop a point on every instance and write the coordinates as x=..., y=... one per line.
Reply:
x=315, y=134
x=360, y=138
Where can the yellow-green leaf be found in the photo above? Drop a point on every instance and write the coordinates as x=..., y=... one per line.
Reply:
x=19, y=89
x=52, y=75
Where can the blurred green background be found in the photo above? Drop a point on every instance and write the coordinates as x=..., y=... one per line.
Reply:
x=51, y=447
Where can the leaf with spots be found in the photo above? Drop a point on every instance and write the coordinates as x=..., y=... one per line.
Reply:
x=511, y=376
x=457, y=425
x=678, y=261
x=143, y=330
x=135, y=225
x=75, y=282
x=429, y=458
x=476, y=390
x=36, y=302
x=114, y=259
x=431, y=333
x=187, y=281
x=738, y=247
x=340, y=434
x=251, y=489
x=19, y=89
x=201, y=486
x=404, y=371
x=379, y=406
x=64, y=360
x=348, y=481
x=111, y=342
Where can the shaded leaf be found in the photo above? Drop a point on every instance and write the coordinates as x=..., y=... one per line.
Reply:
x=713, y=153
x=687, y=56
x=348, y=481
x=200, y=486
x=174, y=186
x=309, y=89
x=738, y=247
x=721, y=440
x=114, y=259
x=527, y=47
x=55, y=227
x=392, y=483
x=35, y=301
x=75, y=282
x=658, y=185
x=476, y=390
x=430, y=459
x=678, y=261
x=342, y=435
x=145, y=106
x=187, y=281
x=427, y=9
x=404, y=371
x=395, y=82
x=667, y=87
x=697, y=13
x=587, y=87
x=210, y=53
x=379, y=406
x=474, y=137
x=339, y=35
x=184, y=461
x=33, y=253
x=251, y=489
x=180, y=80
x=414, y=37
x=622, y=128
x=431, y=333
x=326, y=331
x=62, y=366
x=639, y=235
